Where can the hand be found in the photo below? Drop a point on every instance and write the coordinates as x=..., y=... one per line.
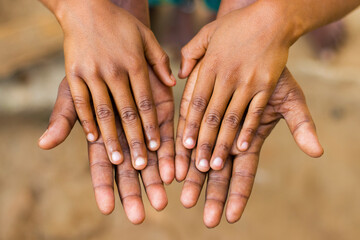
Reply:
x=287, y=102
x=243, y=54
x=62, y=121
x=106, y=52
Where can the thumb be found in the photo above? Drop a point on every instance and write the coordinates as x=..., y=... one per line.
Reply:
x=298, y=118
x=62, y=119
x=192, y=52
x=157, y=58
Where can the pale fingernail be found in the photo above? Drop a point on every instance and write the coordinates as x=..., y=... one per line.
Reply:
x=203, y=163
x=90, y=137
x=217, y=162
x=116, y=156
x=189, y=142
x=244, y=146
x=139, y=161
x=42, y=141
x=153, y=144
x=173, y=78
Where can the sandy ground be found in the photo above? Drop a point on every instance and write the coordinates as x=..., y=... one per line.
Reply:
x=48, y=194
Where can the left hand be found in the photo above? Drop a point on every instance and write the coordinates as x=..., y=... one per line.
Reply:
x=287, y=102
x=243, y=54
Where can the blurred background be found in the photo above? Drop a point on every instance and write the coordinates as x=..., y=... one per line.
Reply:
x=48, y=194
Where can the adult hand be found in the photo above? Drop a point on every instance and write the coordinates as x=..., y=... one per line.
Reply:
x=235, y=181
x=107, y=52
x=62, y=121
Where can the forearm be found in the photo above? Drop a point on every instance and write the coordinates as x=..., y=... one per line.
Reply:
x=227, y=6
x=306, y=15
x=138, y=8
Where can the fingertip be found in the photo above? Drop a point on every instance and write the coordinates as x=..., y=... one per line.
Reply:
x=140, y=163
x=154, y=145
x=217, y=164
x=233, y=212
x=167, y=176
x=134, y=210
x=309, y=144
x=187, y=199
x=212, y=215
x=203, y=165
x=105, y=201
x=116, y=158
x=159, y=200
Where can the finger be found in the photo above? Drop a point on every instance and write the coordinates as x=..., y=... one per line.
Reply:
x=243, y=175
x=252, y=120
x=130, y=121
x=192, y=52
x=193, y=184
x=210, y=127
x=62, y=119
x=81, y=97
x=166, y=152
x=229, y=128
x=152, y=183
x=299, y=120
x=139, y=79
x=182, y=157
x=106, y=120
x=200, y=98
x=164, y=103
x=128, y=185
x=102, y=177
x=216, y=193
x=157, y=58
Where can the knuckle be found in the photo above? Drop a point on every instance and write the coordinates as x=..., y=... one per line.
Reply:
x=223, y=147
x=163, y=58
x=213, y=119
x=199, y=103
x=128, y=174
x=135, y=64
x=128, y=114
x=136, y=144
x=258, y=111
x=232, y=120
x=206, y=147
x=218, y=179
x=185, y=52
x=193, y=125
x=152, y=161
x=250, y=131
x=79, y=101
x=150, y=127
x=145, y=104
x=104, y=112
x=111, y=141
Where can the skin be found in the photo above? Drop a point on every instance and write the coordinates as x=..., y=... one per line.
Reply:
x=107, y=70
x=243, y=54
x=160, y=164
x=232, y=184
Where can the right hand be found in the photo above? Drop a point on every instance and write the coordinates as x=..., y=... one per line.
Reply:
x=160, y=169
x=107, y=51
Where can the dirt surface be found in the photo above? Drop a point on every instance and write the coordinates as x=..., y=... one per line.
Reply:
x=48, y=194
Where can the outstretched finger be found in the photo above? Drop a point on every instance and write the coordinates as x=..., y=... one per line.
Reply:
x=193, y=184
x=216, y=194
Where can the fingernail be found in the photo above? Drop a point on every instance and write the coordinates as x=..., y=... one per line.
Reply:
x=189, y=142
x=153, y=144
x=203, y=163
x=139, y=161
x=42, y=141
x=116, y=156
x=90, y=137
x=244, y=146
x=217, y=162
x=173, y=79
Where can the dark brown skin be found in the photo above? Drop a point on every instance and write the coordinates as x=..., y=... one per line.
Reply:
x=243, y=54
x=107, y=51
x=287, y=102
x=160, y=164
